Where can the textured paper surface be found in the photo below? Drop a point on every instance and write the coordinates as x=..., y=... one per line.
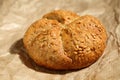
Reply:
x=17, y=15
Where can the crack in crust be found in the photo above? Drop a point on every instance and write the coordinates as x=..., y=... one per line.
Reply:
x=64, y=40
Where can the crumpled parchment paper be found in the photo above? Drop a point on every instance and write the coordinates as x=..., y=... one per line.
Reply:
x=17, y=15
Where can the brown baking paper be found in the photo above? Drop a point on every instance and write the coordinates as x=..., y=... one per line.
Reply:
x=17, y=15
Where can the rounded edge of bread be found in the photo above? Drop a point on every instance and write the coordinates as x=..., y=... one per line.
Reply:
x=62, y=16
x=84, y=41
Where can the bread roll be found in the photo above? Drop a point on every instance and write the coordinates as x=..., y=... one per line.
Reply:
x=59, y=43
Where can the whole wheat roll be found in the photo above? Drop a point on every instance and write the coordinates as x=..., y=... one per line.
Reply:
x=74, y=43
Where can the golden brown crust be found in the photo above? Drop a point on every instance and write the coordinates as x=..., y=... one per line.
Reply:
x=62, y=16
x=43, y=43
x=71, y=45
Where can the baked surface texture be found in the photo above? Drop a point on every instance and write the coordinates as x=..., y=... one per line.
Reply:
x=63, y=40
